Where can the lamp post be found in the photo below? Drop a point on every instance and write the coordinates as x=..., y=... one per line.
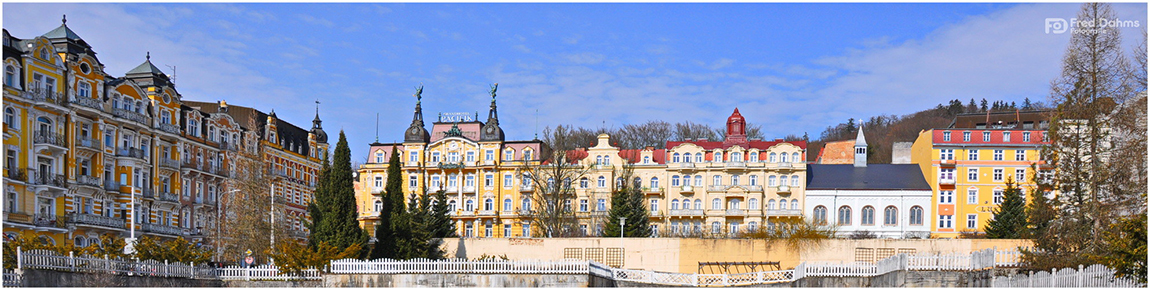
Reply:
x=622, y=222
x=130, y=244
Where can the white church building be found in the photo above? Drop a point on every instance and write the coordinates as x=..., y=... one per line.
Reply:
x=886, y=200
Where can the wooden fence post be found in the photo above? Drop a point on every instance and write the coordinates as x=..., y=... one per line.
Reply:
x=1080, y=276
x=19, y=258
x=71, y=261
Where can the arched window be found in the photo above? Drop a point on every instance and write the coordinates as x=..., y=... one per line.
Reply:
x=686, y=204
x=771, y=204
x=890, y=216
x=619, y=182
x=80, y=241
x=674, y=204
x=637, y=182
x=820, y=215
x=10, y=76
x=783, y=158
x=525, y=204
x=698, y=203
x=488, y=205
x=715, y=204
x=583, y=182
x=868, y=216
x=716, y=180
x=45, y=125
x=378, y=205
x=646, y=159
x=654, y=182
x=774, y=157
x=675, y=158
x=698, y=180
x=44, y=54
x=469, y=205
x=771, y=181
x=675, y=180
x=602, y=182
x=795, y=203
x=844, y=216
x=507, y=204
x=10, y=117
x=715, y=227
x=795, y=157
x=782, y=204
x=451, y=205
x=783, y=180
x=916, y=216
x=733, y=204
x=753, y=204
x=736, y=157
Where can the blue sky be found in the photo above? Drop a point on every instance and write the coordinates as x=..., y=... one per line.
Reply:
x=792, y=68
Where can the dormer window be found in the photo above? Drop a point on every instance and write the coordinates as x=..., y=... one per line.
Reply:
x=10, y=75
x=44, y=54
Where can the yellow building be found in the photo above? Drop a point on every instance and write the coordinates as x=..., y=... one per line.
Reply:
x=81, y=146
x=466, y=158
x=968, y=169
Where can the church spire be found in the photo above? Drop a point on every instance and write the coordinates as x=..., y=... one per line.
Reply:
x=416, y=132
x=491, y=130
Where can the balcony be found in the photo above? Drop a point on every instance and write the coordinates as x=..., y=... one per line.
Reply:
x=653, y=190
x=717, y=188
x=784, y=212
x=54, y=180
x=783, y=189
x=169, y=163
x=87, y=180
x=524, y=212
x=786, y=165
x=162, y=229
x=50, y=221
x=84, y=142
x=736, y=165
x=17, y=174
x=947, y=163
x=131, y=152
x=168, y=128
x=755, y=164
x=450, y=165
x=169, y=197
x=130, y=115
x=487, y=213
x=277, y=172
x=686, y=212
x=656, y=213
x=44, y=96
x=468, y=189
x=50, y=140
x=602, y=167
x=946, y=181
x=467, y=213
x=734, y=212
x=684, y=165
x=97, y=220
x=111, y=185
x=753, y=188
x=526, y=188
x=488, y=162
x=228, y=146
x=755, y=213
x=88, y=102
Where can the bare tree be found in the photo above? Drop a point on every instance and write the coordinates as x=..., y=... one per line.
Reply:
x=552, y=194
x=693, y=131
x=246, y=206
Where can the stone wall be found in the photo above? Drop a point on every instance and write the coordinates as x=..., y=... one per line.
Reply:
x=456, y=280
x=49, y=278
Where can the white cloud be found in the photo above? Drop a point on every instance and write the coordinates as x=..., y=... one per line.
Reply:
x=584, y=58
x=316, y=20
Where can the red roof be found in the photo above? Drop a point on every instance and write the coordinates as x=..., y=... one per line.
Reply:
x=711, y=145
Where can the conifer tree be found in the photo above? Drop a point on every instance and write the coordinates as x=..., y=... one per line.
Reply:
x=386, y=238
x=336, y=218
x=627, y=202
x=1009, y=220
x=440, y=223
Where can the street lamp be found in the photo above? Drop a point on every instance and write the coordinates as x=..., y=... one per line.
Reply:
x=130, y=244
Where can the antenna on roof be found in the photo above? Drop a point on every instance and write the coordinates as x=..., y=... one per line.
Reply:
x=173, y=71
x=376, y=127
x=536, y=119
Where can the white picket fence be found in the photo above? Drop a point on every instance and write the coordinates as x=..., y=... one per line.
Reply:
x=11, y=279
x=51, y=260
x=264, y=273
x=1093, y=276
x=422, y=266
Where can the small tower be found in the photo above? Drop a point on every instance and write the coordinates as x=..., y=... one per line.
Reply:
x=736, y=130
x=416, y=133
x=860, y=149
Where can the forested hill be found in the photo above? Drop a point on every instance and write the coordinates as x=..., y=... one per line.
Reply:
x=883, y=131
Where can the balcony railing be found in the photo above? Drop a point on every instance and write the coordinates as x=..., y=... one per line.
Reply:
x=49, y=179
x=130, y=115
x=162, y=229
x=684, y=165
x=686, y=212
x=174, y=129
x=784, y=165
x=168, y=162
x=652, y=190
x=88, y=102
x=784, y=212
x=229, y=146
x=949, y=181
x=278, y=172
x=524, y=212
x=526, y=188
x=53, y=221
x=753, y=188
x=111, y=185
x=147, y=192
x=87, y=142
x=97, y=220
x=717, y=188
x=89, y=180
x=783, y=189
x=131, y=152
x=487, y=213
x=43, y=95
x=736, y=165
x=17, y=174
x=734, y=212
x=49, y=138
x=167, y=196
x=947, y=162
x=468, y=189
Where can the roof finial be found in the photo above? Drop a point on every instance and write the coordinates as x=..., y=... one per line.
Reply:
x=65, y=19
x=148, y=56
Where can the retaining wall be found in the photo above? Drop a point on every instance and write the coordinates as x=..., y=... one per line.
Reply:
x=49, y=278
x=456, y=280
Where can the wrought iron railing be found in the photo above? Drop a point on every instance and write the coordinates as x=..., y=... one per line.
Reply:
x=57, y=180
x=97, y=220
x=89, y=102
x=50, y=138
x=87, y=142
x=89, y=180
x=130, y=152
x=174, y=129
x=130, y=115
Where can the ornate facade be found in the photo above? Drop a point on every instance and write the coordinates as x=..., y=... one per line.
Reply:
x=86, y=153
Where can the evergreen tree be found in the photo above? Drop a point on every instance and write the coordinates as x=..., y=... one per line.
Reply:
x=386, y=238
x=316, y=208
x=1026, y=104
x=1010, y=217
x=850, y=126
x=440, y=223
x=984, y=107
x=971, y=107
x=337, y=222
x=627, y=202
